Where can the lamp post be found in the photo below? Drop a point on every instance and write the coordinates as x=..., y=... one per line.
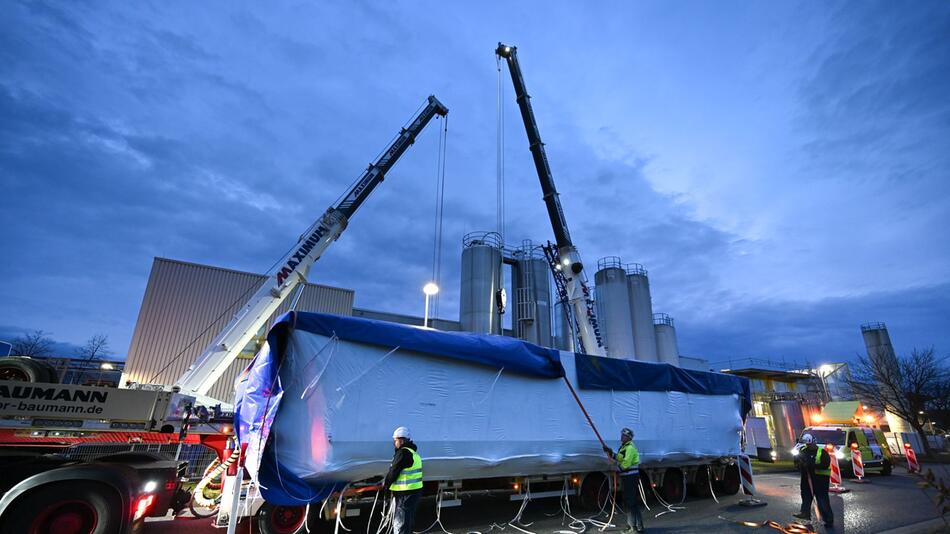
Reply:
x=429, y=289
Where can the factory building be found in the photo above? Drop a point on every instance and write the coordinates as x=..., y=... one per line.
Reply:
x=187, y=304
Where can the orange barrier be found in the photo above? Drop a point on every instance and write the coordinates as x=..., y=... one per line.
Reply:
x=912, y=465
x=836, y=481
x=857, y=464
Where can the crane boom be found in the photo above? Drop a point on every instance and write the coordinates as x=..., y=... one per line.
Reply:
x=578, y=294
x=293, y=269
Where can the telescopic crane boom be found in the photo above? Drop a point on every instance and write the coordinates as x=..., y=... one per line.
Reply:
x=578, y=294
x=293, y=269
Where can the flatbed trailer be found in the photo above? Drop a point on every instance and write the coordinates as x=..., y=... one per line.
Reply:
x=490, y=414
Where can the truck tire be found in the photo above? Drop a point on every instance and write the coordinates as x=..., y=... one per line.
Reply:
x=673, y=489
x=699, y=487
x=730, y=483
x=593, y=491
x=81, y=507
x=21, y=369
x=886, y=468
x=278, y=519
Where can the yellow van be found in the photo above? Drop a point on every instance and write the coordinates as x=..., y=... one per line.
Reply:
x=870, y=441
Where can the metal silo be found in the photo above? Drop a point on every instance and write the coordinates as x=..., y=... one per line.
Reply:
x=613, y=301
x=481, y=281
x=877, y=341
x=788, y=421
x=532, y=285
x=641, y=313
x=563, y=329
x=667, y=349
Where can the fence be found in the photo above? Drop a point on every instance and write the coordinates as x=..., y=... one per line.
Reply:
x=198, y=456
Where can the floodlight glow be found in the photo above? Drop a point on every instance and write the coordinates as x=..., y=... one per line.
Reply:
x=430, y=289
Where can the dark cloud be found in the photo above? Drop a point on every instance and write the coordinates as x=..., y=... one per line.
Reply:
x=216, y=135
x=819, y=332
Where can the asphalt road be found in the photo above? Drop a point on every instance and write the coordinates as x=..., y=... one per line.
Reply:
x=883, y=504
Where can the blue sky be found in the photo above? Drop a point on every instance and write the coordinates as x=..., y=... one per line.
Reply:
x=782, y=169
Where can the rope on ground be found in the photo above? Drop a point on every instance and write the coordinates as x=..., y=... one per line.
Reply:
x=670, y=509
x=790, y=528
x=516, y=522
x=611, y=498
x=438, y=516
x=339, y=512
x=709, y=479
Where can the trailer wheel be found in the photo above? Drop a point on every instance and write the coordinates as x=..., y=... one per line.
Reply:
x=21, y=369
x=68, y=508
x=594, y=491
x=729, y=485
x=699, y=487
x=673, y=490
x=278, y=519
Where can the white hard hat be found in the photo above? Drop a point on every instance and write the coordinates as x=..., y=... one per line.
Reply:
x=401, y=432
x=807, y=439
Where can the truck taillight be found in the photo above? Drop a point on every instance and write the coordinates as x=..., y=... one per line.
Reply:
x=171, y=485
x=142, y=506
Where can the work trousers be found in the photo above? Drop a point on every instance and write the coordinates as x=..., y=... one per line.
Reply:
x=631, y=500
x=406, y=504
x=820, y=484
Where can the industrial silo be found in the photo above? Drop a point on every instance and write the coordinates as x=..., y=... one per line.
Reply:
x=481, y=281
x=788, y=421
x=563, y=327
x=667, y=349
x=613, y=302
x=532, y=285
x=877, y=341
x=641, y=313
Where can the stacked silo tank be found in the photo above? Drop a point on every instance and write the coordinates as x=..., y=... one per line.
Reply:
x=481, y=281
x=667, y=348
x=614, y=308
x=877, y=341
x=532, y=285
x=641, y=313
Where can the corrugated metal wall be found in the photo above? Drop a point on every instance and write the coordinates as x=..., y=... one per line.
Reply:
x=187, y=304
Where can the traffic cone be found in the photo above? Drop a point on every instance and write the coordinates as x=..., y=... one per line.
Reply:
x=836, y=481
x=912, y=465
x=748, y=485
x=857, y=464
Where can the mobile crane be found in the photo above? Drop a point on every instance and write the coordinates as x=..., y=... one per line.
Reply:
x=115, y=494
x=569, y=268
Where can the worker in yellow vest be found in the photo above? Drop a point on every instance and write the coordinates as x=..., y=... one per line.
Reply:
x=404, y=480
x=628, y=461
x=814, y=464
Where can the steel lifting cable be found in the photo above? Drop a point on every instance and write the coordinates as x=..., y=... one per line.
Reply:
x=439, y=212
x=500, y=153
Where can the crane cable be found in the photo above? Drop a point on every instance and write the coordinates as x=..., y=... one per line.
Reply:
x=500, y=154
x=439, y=213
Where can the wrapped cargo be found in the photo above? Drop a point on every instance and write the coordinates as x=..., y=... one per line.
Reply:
x=317, y=406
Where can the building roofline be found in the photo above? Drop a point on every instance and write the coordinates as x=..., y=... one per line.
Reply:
x=236, y=271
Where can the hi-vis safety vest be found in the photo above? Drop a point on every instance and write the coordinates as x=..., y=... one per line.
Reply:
x=818, y=470
x=411, y=478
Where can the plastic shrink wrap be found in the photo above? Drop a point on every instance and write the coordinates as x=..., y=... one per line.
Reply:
x=317, y=406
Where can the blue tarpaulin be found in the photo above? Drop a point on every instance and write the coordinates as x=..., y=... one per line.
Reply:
x=513, y=354
x=260, y=390
x=594, y=372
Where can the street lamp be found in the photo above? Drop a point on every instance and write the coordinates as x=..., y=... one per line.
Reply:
x=429, y=289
